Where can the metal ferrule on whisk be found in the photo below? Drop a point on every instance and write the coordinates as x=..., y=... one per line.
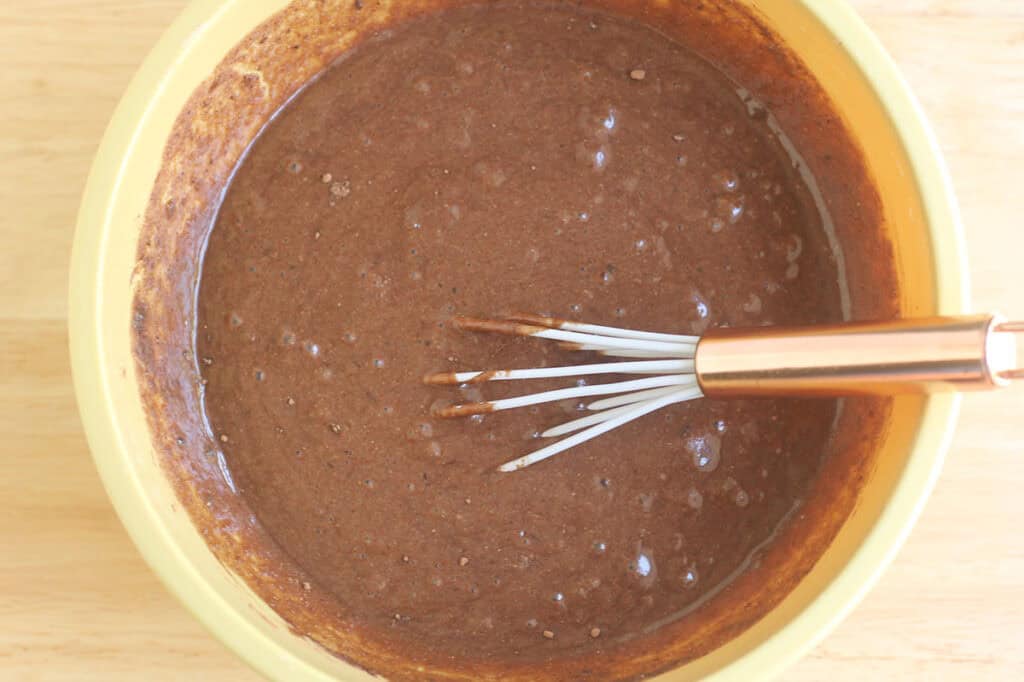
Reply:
x=902, y=356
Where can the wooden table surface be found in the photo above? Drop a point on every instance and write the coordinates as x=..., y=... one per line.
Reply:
x=76, y=600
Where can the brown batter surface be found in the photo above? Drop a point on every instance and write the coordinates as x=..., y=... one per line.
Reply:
x=481, y=161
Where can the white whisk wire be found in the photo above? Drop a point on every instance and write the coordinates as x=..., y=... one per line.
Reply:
x=669, y=357
x=635, y=412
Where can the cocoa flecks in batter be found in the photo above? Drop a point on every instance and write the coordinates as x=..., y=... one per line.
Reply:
x=469, y=141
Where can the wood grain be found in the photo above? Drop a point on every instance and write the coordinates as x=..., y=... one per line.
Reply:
x=78, y=603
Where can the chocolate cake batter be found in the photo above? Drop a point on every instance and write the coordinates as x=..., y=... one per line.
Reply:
x=479, y=161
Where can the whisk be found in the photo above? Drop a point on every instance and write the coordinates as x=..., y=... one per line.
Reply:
x=902, y=356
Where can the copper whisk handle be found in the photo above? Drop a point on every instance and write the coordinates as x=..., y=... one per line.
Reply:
x=900, y=356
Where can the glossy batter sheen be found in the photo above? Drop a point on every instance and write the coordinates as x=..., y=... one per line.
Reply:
x=477, y=162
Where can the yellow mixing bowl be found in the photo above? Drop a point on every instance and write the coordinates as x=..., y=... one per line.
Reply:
x=918, y=206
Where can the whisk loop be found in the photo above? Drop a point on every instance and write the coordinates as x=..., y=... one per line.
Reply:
x=667, y=356
x=926, y=355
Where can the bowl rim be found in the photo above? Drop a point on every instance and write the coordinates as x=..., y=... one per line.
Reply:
x=172, y=566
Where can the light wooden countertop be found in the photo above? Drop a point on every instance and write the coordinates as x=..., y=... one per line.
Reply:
x=76, y=600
